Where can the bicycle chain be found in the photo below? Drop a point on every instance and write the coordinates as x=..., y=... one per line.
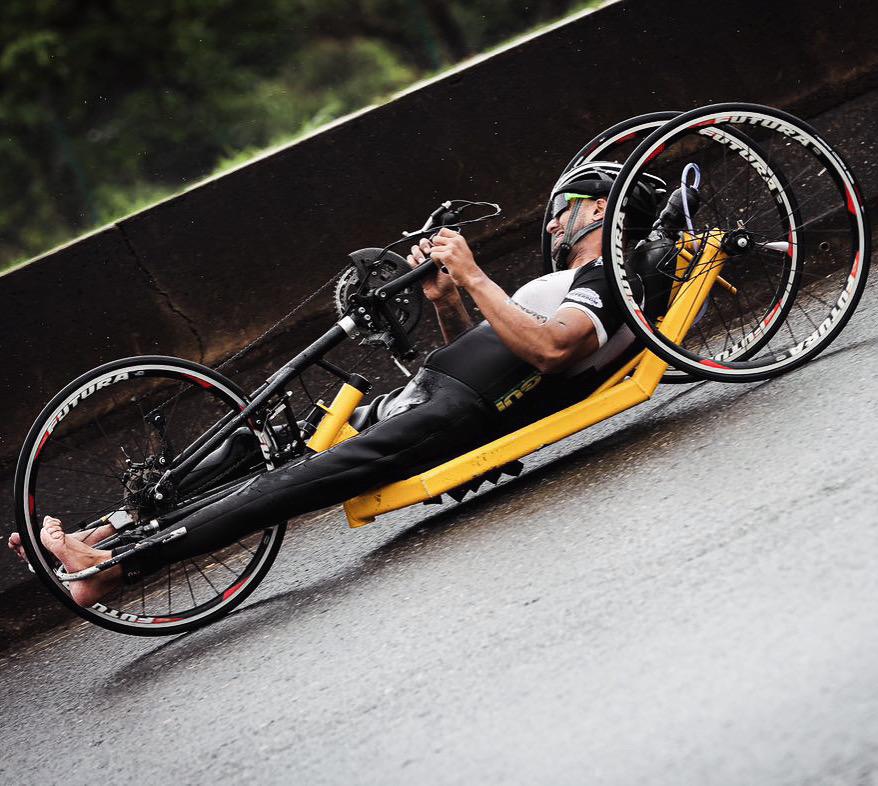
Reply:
x=244, y=350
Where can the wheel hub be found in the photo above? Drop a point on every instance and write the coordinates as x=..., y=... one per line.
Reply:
x=738, y=241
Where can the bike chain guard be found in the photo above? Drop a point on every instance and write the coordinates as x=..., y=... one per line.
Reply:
x=389, y=322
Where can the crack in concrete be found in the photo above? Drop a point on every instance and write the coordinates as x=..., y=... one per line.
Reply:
x=154, y=285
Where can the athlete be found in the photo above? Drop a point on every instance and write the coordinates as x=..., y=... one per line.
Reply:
x=550, y=344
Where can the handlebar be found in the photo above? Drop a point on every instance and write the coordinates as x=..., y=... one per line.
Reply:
x=391, y=288
x=448, y=214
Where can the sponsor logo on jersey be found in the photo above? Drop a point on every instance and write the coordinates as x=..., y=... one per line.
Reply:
x=518, y=392
x=588, y=297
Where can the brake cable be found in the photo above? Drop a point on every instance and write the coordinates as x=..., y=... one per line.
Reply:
x=696, y=171
x=430, y=229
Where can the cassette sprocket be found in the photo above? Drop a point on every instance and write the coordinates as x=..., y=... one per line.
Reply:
x=370, y=269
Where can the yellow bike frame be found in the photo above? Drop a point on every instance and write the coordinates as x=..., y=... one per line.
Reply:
x=631, y=385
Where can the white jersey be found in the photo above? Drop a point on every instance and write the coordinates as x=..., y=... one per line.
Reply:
x=583, y=289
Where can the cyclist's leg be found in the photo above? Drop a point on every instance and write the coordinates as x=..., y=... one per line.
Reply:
x=76, y=555
x=369, y=414
x=434, y=419
x=87, y=536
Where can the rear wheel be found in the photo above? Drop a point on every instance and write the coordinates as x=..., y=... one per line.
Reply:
x=770, y=181
x=87, y=460
x=616, y=144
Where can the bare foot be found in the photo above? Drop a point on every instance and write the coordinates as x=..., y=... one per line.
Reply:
x=86, y=536
x=75, y=555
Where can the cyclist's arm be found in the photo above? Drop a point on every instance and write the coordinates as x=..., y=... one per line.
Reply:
x=441, y=291
x=549, y=345
x=453, y=317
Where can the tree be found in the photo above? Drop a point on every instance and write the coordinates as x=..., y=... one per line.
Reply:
x=106, y=104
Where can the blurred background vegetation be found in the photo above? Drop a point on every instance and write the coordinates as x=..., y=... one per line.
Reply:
x=108, y=105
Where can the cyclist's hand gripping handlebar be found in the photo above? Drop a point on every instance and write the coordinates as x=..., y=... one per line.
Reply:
x=442, y=216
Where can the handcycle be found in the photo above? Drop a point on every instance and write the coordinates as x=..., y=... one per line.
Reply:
x=760, y=280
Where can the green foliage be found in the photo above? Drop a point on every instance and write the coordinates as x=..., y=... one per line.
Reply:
x=108, y=105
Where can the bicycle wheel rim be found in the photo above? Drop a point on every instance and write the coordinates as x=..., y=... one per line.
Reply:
x=613, y=142
x=836, y=239
x=162, y=604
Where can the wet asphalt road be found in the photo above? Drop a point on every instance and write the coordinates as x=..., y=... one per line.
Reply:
x=686, y=594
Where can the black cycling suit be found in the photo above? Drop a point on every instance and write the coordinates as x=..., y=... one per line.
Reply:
x=518, y=392
x=468, y=392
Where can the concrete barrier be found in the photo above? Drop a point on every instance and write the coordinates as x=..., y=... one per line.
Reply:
x=203, y=273
x=85, y=303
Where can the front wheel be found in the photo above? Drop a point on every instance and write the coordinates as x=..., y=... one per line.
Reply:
x=87, y=460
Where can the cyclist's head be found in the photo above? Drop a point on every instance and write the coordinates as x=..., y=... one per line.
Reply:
x=579, y=199
x=575, y=224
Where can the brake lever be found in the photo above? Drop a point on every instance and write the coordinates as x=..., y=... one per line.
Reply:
x=430, y=222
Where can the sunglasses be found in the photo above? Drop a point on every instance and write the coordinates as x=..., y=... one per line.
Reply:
x=560, y=202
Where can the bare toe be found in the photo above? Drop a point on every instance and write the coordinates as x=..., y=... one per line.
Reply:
x=51, y=534
x=75, y=556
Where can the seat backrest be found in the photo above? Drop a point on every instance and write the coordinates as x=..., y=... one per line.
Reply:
x=650, y=261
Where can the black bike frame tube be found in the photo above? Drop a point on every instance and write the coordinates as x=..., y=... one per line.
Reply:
x=307, y=357
x=193, y=446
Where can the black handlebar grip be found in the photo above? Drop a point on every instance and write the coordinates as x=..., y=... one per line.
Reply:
x=448, y=218
x=398, y=284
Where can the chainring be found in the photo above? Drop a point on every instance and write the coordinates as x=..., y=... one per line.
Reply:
x=371, y=269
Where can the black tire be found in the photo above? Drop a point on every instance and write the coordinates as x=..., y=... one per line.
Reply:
x=775, y=308
x=828, y=244
x=616, y=143
x=69, y=459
